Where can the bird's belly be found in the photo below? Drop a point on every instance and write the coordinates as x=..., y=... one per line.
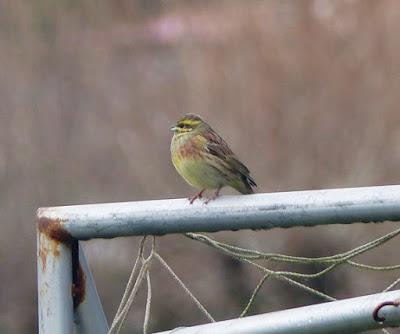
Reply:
x=199, y=173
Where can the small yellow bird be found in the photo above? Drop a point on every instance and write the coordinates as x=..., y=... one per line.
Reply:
x=204, y=159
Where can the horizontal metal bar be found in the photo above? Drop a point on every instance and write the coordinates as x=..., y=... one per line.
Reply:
x=258, y=211
x=346, y=316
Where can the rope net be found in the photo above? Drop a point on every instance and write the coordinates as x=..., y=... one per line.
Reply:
x=261, y=261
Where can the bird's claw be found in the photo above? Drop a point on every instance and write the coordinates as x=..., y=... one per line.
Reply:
x=196, y=196
x=213, y=197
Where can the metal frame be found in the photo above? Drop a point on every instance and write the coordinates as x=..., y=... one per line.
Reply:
x=68, y=300
x=345, y=316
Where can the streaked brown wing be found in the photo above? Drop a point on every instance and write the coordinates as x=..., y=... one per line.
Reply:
x=219, y=148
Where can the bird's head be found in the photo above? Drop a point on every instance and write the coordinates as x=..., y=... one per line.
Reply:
x=187, y=123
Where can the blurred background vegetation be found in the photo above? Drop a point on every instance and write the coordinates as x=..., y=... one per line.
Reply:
x=305, y=92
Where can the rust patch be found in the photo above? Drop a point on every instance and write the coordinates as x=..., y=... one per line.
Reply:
x=46, y=248
x=56, y=234
x=43, y=256
x=78, y=287
x=54, y=230
x=55, y=250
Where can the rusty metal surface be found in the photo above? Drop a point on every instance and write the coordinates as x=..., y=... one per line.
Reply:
x=67, y=296
x=55, y=302
x=78, y=288
x=53, y=228
x=258, y=211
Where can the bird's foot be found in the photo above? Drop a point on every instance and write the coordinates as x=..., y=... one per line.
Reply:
x=213, y=197
x=196, y=196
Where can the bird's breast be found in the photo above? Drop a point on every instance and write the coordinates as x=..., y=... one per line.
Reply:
x=185, y=147
x=193, y=165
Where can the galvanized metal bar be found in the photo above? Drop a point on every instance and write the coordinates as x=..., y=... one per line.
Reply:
x=346, y=316
x=89, y=314
x=54, y=264
x=258, y=211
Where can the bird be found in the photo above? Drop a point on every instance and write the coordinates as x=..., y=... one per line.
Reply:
x=204, y=159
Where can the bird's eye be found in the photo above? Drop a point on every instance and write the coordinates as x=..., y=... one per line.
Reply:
x=184, y=126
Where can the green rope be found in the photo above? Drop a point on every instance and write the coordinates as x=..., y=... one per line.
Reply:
x=249, y=256
x=253, y=295
x=257, y=255
x=272, y=273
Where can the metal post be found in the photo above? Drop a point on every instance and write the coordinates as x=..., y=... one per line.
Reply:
x=89, y=314
x=354, y=315
x=54, y=285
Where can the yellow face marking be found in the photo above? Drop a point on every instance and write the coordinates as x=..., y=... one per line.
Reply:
x=189, y=122
x=186, y=125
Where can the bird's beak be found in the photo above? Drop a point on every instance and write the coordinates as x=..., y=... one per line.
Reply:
x=173, y=128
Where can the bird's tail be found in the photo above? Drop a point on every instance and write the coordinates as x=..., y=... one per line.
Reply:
x=245, y=184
